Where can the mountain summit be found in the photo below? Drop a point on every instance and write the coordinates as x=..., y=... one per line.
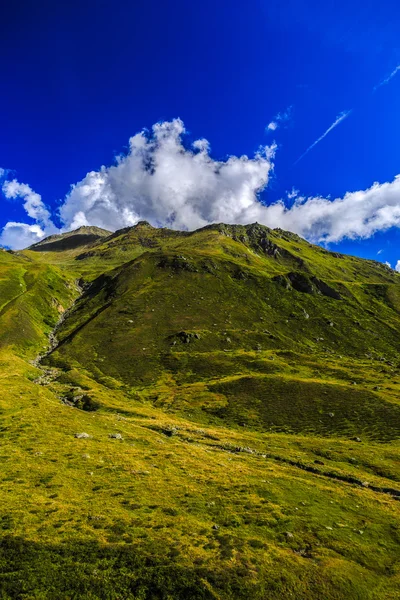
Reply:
x=206, y=414
x=70, y=240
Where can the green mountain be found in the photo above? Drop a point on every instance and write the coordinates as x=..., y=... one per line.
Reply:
x=198, y=415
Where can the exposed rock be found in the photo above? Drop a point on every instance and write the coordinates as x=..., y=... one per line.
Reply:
x=302, y=282
x=82, y=436
x=116, y=436
x=184, y=337
x=170, y=430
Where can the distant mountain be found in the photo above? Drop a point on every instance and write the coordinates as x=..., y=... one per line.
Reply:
x=70, y=240
x=207, y=414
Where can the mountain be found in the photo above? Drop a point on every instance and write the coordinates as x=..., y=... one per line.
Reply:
x=208, y=415
x=71, y=240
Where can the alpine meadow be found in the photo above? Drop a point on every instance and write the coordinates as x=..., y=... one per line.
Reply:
x=206, y=415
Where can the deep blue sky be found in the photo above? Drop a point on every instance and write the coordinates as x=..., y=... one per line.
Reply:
x=79, y=78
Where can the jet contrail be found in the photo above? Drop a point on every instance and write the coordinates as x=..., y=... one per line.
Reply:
x=346, y=113
x=388, y=78
x=338, y=120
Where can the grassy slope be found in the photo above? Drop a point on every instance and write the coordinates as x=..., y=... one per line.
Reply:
x=238, y=474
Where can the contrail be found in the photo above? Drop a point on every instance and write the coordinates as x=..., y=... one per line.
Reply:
x=338, y=120
x=388, y=78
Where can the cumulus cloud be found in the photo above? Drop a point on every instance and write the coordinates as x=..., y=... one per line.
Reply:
x=33, y=204
x=166, y=183
x=357, y=215
x=397, y=267
x=282, y=117
x=20, y=235
x=162, y=180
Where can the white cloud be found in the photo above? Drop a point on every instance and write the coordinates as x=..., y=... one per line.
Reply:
x=387, y=263
x=343, y=115
x=19, y=235
x=32, y=201
x=280, y=118
x=397, y=267
x=357, y=215
x=168, y=184
x=293, y=193
x=272, y=126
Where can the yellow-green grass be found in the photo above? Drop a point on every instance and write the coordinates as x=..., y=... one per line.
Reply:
x=261, y=467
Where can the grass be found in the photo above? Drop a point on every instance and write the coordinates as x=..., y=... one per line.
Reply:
x=232, y=479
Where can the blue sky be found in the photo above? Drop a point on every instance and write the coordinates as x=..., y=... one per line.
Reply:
x=79, y=79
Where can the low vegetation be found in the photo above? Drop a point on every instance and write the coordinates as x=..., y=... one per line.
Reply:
x=211, y=415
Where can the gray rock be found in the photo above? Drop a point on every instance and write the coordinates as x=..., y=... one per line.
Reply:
x=289, y=535
x=82, y=436
x=116, y=436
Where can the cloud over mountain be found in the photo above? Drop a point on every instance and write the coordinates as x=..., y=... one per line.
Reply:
x=20, y=235
x=164, y=181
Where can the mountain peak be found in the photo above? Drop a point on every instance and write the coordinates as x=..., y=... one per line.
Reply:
x=71, y=239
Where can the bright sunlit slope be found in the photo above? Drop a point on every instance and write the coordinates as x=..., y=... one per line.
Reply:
x=238, y=389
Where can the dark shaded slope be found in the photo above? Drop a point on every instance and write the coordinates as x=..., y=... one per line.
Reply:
x=71, y=240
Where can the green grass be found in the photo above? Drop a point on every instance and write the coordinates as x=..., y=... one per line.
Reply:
x=239, y=473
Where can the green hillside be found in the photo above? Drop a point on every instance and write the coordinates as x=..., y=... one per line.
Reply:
x=198, y=415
